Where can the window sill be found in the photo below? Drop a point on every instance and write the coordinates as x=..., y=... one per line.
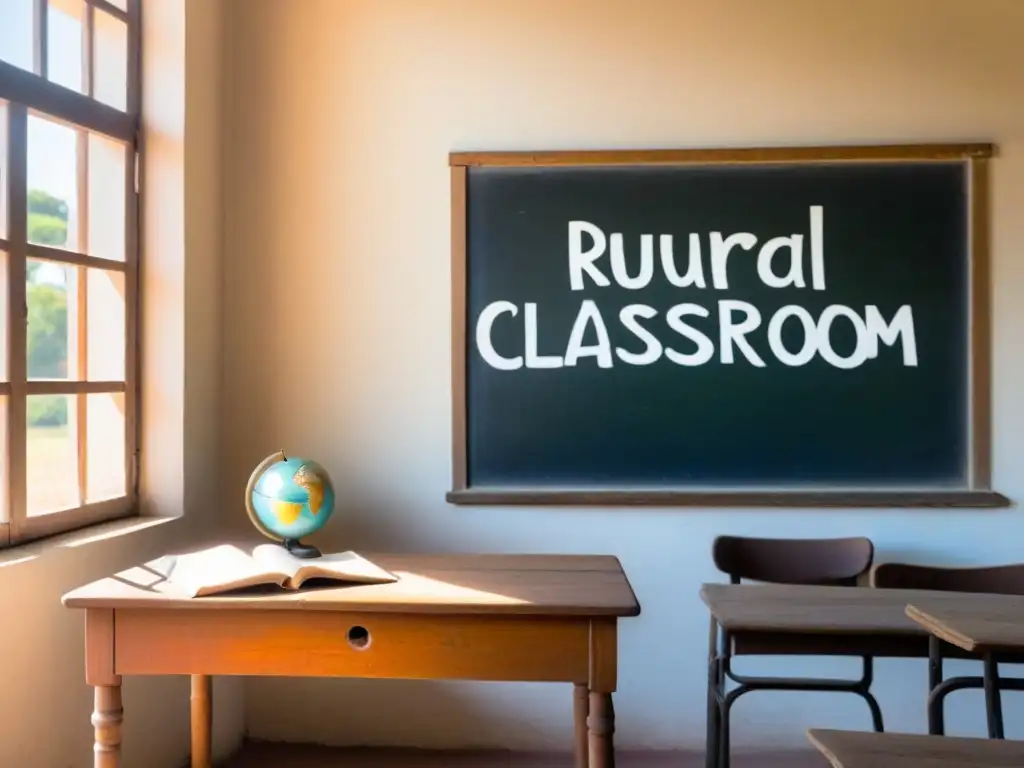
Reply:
x=93, y=534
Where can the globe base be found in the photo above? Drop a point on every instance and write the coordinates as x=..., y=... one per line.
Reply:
x=300, y=550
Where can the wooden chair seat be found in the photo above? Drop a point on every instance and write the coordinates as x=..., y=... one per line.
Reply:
x=865, y=749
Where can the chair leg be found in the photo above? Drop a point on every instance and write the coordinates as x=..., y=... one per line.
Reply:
x=863, y=688
x=715, y=693
x=723, y=732
x=725, y=699
x=993, y=700
x=936, y=701
x=714, y=726
x=746, y=684
x=876, y=712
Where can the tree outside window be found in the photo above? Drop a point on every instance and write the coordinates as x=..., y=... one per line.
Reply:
x=47, y=338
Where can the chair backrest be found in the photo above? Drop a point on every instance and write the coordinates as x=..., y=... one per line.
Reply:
x=825, y=562
x=996, y=579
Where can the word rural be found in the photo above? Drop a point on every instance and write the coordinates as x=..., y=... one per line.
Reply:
x=780, y=263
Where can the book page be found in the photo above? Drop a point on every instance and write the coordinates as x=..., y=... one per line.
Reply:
x=342, y=566
x=278, y=559
x=217, y=569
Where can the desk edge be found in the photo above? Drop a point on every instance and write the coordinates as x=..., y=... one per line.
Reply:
x=213, y=603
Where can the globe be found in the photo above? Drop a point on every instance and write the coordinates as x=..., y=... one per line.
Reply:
x=288, y=498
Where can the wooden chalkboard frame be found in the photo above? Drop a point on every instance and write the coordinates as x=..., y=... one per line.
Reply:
x=978, y=491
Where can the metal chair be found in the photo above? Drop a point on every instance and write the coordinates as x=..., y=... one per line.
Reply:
x=998, y=579
x=821, y=562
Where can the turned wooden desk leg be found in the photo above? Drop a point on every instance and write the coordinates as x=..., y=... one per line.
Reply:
x=107, y=716
x=601, y=724
x=603, y=678
x=581, y=708
x=107, y=713
x=202, y=721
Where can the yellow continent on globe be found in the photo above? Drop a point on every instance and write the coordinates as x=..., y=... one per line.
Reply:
x=286, y=511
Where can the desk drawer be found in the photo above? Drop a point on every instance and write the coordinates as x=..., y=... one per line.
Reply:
x=325, y=644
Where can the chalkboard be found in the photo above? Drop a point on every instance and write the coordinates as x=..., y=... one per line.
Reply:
x=735, y=327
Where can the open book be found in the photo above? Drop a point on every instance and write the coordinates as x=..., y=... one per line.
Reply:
x=226, y=567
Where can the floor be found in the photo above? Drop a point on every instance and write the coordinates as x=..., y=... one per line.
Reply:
x=262, y=755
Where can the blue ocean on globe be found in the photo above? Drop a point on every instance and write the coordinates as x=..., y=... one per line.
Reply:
x=293, y=498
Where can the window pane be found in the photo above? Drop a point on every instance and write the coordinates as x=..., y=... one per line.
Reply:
x=4, y=516
x=105, y=447
x=52, y=183
x=107, y=190
x=105, y=325
x=65, y=21
x=3, y=329
x=110, y=60
x=122, y=4
x=3, y=163
x=52, y=333
x=52, y=453
x=16, y=40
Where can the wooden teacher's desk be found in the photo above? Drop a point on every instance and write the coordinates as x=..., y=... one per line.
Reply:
x=541, y=618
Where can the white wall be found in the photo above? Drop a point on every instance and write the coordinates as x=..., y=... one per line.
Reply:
x=44, y=698
x=340, y=117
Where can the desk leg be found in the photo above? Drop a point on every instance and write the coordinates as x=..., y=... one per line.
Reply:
x=601, y=723
x=936, y=705
x=581, y=708
x=993, y=700
x=107, y=715
x=202, y=721
x=715, y=687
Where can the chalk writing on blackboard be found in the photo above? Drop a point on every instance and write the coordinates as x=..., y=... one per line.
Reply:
x=596, y=258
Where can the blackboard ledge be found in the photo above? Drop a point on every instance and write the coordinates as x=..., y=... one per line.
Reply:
x=752, y=498
x=765, y=154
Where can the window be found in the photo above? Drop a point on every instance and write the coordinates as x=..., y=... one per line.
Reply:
x=69, y=119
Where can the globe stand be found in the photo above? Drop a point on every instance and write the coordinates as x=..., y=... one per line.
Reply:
x=300, y=550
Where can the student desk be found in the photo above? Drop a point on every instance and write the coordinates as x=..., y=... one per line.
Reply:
x=994, y=625
x=846, y=621
x=983, y=627
x=858, y=749
x=992, y=630
x=543, y=618
x=796, y=620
